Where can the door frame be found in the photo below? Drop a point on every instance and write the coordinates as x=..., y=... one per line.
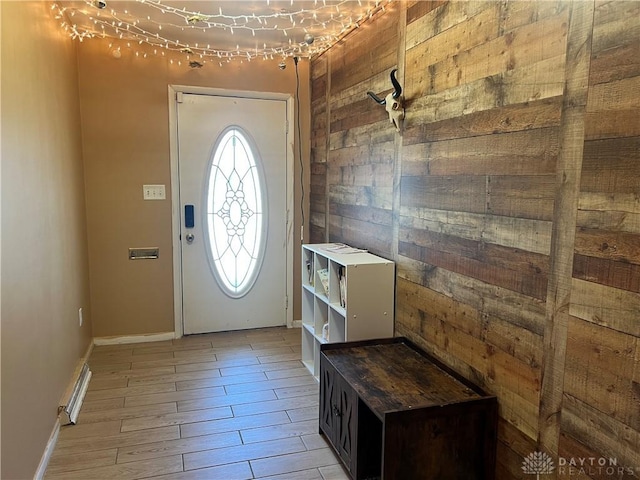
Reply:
x=174, y=90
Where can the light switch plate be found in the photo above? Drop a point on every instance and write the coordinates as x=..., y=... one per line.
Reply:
x=153, y=192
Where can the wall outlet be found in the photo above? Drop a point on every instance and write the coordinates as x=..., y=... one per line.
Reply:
x=80, y=315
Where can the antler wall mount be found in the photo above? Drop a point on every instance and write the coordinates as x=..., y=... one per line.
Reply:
x=393, y=102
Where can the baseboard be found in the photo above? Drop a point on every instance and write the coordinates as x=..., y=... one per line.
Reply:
x=122, y=340
x=296, y=324
x=48, y=451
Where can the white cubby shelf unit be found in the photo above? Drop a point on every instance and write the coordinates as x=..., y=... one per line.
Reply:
x=345, y=297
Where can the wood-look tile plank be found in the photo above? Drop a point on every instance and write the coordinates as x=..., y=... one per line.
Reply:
x=110, y=367
x=270, y=384
x=126, y=413
x=125, y=471
x=176, y=396
x=258, y=367
x=233, y=471
x=218, y=364
x=174, y=377
x=300, y=371
x=235, y=423
x=288, y=392
x=293, y=462
x=314, y=440
x=126, y=357
x=180, y=418
x=285, y=430
x=250, y=378
x=221, y=456
x=265, y=352
x=80, y=461
x=89, y=406
x=178, y=446
x=275, y=405
x=170, y=347
x=312, y=474
x=302, y=414
x=279, y=358
x=129, y=391
x=131, y=374
x=334, y=472
x=68, y=432
x=66, y=446
x=226, y=400
x=106, y=383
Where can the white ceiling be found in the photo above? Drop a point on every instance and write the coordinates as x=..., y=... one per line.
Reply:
x=218, y=30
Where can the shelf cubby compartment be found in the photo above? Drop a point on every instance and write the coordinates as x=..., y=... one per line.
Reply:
x=337, y=330
x=369, y=282
x=321, y=263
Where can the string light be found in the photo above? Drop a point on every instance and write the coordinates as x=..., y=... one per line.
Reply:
x=162, y=32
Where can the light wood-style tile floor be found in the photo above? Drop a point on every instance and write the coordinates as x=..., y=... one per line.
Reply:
x=225, y=406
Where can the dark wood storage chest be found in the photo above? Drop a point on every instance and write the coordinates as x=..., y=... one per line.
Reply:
x=391, y=411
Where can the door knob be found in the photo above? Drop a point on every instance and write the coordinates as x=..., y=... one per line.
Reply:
x=189, y=237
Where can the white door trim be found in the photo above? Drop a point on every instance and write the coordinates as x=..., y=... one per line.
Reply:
x=175, y=190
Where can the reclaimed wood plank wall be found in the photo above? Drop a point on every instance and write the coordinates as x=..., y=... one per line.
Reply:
x=510, y=202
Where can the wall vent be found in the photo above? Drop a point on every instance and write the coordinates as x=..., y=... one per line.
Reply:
x=71, y=410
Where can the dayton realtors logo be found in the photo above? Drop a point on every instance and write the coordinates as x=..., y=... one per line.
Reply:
x=539, y=463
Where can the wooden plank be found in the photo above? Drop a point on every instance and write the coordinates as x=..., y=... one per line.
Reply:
x=599, y=368
x=360, y=61
x=611, y=166
x=375, y=238
x=615, y=23
x=474, y=260
x=426, y=21
x=493, y=301
x=617, y=62
x=620, y=202
x=523, y=196
x=526, y=45
x=529, y=152
x=578, y=50
x=601, y=433
x=607, y=306
x=521, y=233
x=624, y=276
x=501, y=333
x=377, y=216
x=612, y=124
x=419, y=8
x=612, y=245
x=380, y=132
x=511, y=118
x=367, y=196
x=617, y=95
x=424, y=50
x=464, y=193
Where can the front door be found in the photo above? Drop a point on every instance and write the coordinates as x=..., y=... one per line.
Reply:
x=232, y=167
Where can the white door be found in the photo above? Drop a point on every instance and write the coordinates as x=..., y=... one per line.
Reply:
x=232, y=166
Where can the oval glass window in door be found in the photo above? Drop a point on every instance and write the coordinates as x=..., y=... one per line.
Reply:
x=235, y=211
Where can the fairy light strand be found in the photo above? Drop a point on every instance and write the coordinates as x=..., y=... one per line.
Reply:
x=326, y=16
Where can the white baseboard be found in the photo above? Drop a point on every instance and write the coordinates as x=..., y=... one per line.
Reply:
x=297, y=324
x=48, y=451
x=122, y=340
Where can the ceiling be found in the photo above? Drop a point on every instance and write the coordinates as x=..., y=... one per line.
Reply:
x=199, y=32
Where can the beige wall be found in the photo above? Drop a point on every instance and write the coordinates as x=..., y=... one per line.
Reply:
x=44, y=254
x=125, y=116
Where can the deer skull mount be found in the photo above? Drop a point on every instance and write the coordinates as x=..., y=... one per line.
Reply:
x=393, y=102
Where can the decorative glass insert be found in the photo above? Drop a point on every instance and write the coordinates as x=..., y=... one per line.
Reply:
x=235, y=210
